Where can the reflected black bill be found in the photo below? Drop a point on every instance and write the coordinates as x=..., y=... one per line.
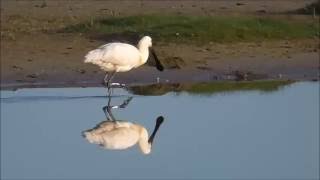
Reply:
x=160, y=120
x=158, y=63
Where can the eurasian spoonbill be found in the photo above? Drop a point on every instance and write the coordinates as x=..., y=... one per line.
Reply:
x=121, y=57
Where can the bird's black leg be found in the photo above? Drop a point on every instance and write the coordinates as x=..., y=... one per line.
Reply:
x=110, y=77
x=107, y=79
x=107, y=109
x=108, y=113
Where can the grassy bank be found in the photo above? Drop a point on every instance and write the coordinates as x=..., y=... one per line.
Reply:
x=175, y=28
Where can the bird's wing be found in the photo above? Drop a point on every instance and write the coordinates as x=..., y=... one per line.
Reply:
x=120, y=54
x=120, y=138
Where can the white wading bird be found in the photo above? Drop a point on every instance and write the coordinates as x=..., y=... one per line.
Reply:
x=121, y=57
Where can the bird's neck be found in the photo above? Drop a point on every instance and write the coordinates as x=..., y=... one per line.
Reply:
x=144, y=53
x=144, y=145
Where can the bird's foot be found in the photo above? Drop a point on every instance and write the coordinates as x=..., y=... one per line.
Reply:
x=113, y=85
x=126, y=102
x=117, y=85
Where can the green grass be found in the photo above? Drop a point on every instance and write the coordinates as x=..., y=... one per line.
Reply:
x=176, y=28
x=209, y=88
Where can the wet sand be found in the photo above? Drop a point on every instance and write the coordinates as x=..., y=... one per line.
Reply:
x=32, y=53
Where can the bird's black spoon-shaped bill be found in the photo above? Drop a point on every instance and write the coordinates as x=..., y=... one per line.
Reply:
x=158, y=63
x=159, y=121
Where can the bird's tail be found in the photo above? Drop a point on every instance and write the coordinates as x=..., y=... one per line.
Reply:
x=93, y=55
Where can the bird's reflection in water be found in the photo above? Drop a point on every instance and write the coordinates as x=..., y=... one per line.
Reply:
x=118, y=134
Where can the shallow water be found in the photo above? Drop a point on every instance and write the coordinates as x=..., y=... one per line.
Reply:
x=232, y=134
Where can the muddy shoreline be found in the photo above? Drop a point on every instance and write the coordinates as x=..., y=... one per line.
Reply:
x=33, y=54
x=53, y=60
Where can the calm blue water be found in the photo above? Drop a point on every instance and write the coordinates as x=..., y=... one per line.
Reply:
x=241, y=134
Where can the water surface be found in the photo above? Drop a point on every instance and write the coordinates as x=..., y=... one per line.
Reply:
x=245, y=133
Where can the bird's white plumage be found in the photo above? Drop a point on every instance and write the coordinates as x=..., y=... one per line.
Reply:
x=117, y=57
x=120, y=57
x=119, y=135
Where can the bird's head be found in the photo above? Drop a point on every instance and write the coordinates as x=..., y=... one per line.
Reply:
x=92, y=137
x=145, y=142
x=146, y=41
